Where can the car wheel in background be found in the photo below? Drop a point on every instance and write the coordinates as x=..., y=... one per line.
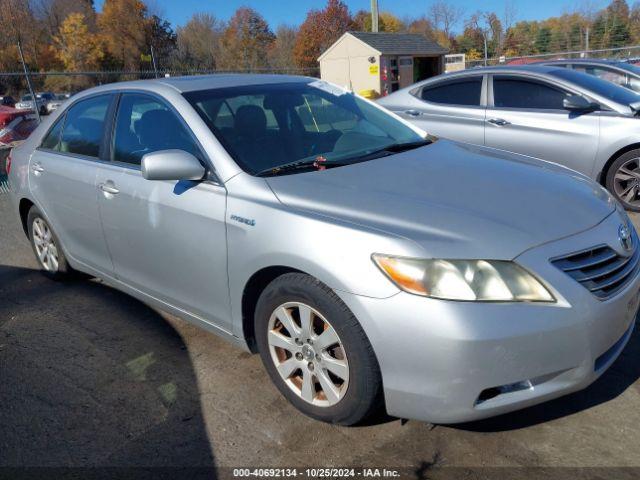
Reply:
x=46, y=246
x=316, y=352
x=623, y=179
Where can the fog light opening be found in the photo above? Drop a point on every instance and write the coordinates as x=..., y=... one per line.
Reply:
x=493, y=392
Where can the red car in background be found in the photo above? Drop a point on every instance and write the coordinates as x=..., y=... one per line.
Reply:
x=15, y=126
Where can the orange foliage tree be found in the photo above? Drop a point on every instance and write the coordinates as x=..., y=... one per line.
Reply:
x=319, y=31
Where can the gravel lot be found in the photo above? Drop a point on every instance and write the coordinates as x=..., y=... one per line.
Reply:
x=90, y=377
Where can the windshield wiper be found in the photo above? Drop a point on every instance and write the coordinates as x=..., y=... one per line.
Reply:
x=389, y=150
x=320, y=163
x=317, y=163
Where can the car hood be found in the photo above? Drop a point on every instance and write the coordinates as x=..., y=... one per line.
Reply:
x=455, y=200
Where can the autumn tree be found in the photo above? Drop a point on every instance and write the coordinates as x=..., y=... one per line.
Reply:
x=444, y=16
x=123, y=25
x=387, y=22
x=199, y=42
x=422, y=26
x=281, y=55
x=77, y=48
x=54, y=12
x=319, y=31
x=246, y=41
x=161, y=36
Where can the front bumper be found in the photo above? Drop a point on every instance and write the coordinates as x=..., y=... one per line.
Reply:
x=450, y=362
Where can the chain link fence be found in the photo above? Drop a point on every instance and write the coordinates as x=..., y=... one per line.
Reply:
x=627, y=54
x=15, y=84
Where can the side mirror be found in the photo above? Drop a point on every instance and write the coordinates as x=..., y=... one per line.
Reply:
x=171, y=165
x=577, y=103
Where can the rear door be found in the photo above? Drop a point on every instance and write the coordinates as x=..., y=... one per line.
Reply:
x=452, y=108
x=167, y=238
x=62, y=177
x=526, y=115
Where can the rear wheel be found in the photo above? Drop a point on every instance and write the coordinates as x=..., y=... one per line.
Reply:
x=623, y=179
x=316, y=352
x=46, y=246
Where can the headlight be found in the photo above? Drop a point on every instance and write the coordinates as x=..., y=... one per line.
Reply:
x=465, y=280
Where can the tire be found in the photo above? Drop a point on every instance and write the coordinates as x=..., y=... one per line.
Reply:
x=40, y=240
x=43, y=110
x=343, y=352
x=626, y=191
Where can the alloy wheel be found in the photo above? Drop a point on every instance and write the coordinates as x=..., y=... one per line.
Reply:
x=308, y=354
x=626, y=182
x=45, y=246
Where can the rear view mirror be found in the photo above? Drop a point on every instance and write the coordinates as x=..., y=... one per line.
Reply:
x=171, y=165
x=577, y=103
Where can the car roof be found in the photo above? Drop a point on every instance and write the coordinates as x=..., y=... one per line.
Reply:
x=603, y=61
x=207, y=82
x=541, y=69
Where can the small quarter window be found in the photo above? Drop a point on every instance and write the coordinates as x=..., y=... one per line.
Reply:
x=52, y=139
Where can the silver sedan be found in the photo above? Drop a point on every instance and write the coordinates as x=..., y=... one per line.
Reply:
x=366, y=263
x=548, y=112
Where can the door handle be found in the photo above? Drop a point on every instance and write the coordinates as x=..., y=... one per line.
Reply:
x=413, y=113
x=37, y=168
x=108, y=188
x=500, y=122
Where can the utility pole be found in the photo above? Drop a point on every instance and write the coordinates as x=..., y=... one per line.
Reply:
x=29, y=86
x=375, y=18
x=586, y=42
x=484, y=36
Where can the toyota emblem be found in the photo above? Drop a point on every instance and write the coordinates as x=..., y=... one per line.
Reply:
x=625, y=237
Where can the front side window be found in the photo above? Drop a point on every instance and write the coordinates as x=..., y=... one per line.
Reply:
x=84, y=126
x=509, y=92
x=144, y=125
x=465, y=92
x=268, y=126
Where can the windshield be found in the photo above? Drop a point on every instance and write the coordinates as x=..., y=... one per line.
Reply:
x=26, y=98
x=268, y=126
x=601, y=87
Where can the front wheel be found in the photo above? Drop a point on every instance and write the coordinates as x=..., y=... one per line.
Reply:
x=623, y=180
x=316, y=352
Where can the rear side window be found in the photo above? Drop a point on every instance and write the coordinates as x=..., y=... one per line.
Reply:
x=52, y=139
x=456, y=92
x=84, y=127
x=525, y=94
x=145, y=124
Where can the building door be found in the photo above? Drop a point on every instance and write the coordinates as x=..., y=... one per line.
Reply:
x=405, y=71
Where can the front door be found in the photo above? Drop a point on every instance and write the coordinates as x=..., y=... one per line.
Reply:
x=167, y=238
x=62, y=175
x=528, y=117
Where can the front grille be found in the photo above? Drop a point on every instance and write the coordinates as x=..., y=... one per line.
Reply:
x=601, y=270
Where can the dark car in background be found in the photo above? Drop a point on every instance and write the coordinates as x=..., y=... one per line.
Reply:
x=7, y=101
x=616, y=71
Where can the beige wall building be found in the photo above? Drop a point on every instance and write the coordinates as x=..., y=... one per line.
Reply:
x=381, y=63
